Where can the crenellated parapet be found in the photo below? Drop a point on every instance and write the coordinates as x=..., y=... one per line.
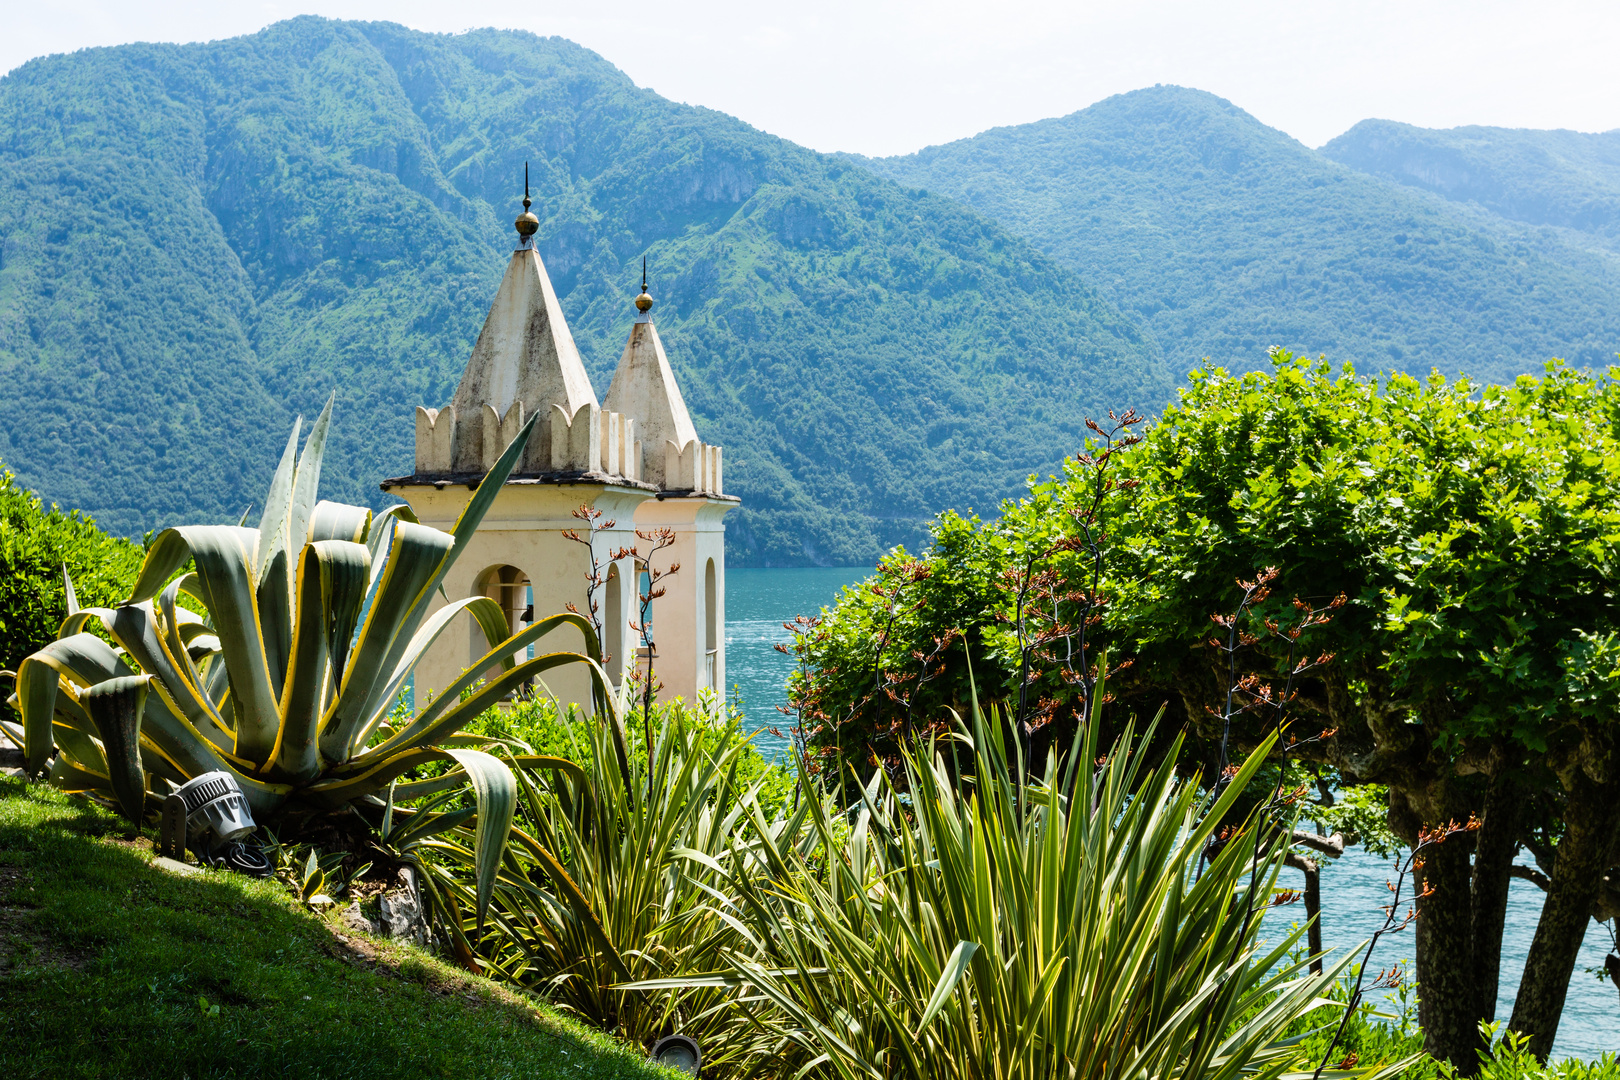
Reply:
x=588, y=441
x=693, y=468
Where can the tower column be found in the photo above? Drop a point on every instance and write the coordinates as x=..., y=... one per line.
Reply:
x=689, y=620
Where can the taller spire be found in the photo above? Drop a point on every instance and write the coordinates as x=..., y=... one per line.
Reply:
x=526, y=222
x=644, y=302
x=525, y=357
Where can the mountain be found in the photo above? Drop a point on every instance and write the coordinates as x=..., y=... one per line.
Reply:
x=1223, y=236
x=1566, y=179
x=198, y=242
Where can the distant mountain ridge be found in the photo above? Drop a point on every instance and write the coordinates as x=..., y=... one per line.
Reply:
x=197, y=241
x=1568, y=179
x=1223, y=236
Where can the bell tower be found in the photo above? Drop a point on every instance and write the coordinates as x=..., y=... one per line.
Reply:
x=638, y=463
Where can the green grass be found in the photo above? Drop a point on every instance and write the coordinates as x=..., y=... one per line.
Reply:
x=111, y=967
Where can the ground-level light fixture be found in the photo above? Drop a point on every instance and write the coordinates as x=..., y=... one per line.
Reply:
x=210, y=816
x=678, y=1052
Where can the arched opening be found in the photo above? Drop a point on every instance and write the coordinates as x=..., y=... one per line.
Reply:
x=613, y=619
x=509, y=587
x=711, y=637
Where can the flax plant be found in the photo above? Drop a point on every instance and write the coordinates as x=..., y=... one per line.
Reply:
x=614, y=874
x=1085, y=922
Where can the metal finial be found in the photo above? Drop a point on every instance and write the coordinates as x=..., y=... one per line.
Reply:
x=644, y=302
x=526, y=222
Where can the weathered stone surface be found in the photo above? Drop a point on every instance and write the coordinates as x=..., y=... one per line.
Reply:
x=396, y=914
x=644, y=387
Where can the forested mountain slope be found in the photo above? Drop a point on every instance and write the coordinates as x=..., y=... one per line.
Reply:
x=1223, y=236
x=1567, y=179
x=198, y=241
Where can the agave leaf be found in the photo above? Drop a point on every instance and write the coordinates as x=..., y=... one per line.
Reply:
x=495, y=793
x=36, y=697
x=433, y=724
x=134, y=627
x=416, y=551
x=306, y=479
x=81, y=748
x=275, y=616
x=339, y=521
x=273, y=520
x=67, y=588
x=82, y=658
x=451, y=695
x=332, y=577
x=68, y=776
x=225, y=578
x=489, y=616
x=115, y=706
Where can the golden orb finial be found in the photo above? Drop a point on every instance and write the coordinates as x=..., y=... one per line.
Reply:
x=644, y=302
x=526, y=222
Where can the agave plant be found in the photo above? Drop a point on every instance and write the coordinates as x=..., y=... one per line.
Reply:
x=991, y=926
x=307, y=630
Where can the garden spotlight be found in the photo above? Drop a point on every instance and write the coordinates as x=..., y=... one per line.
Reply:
x=678, y=1052
x=210, y=815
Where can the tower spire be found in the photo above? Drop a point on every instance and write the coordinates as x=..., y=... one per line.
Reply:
x=526, y=222
x=644, y=302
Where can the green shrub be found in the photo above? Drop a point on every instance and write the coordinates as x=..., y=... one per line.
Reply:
x=613, y=870
x=35, y=544
x=535, y=725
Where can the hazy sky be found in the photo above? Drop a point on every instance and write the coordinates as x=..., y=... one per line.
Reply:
x=882, y=77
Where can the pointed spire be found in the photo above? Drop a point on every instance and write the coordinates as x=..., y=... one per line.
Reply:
x=645, y=389
x=526, y=354
x=526, y=222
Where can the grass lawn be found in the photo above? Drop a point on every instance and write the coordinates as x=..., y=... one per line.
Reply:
x=111, y=967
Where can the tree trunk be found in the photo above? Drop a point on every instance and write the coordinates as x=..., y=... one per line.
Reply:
x=1313, y=905
x=1448, y=1002
x=1494, y=847
x=1591, y=814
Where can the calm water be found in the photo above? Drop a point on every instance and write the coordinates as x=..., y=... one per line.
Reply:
x=759, y=601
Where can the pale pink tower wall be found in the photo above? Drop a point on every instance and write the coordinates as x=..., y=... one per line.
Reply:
x=638, y=461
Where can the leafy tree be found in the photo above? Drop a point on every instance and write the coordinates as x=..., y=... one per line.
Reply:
x=1472, y=533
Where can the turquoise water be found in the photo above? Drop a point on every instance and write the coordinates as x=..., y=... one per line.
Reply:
x=758, y=602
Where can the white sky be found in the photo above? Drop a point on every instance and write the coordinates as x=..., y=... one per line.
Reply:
x=881, y=77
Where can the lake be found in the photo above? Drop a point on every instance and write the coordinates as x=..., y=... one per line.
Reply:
x=758, y=602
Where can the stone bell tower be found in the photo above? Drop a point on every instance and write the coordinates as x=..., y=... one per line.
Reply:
x=639, y=462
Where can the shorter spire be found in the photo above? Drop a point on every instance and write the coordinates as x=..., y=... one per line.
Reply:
x=644, y=302
x=526, y=222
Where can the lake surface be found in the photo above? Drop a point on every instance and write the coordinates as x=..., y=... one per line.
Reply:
x=758, y=602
